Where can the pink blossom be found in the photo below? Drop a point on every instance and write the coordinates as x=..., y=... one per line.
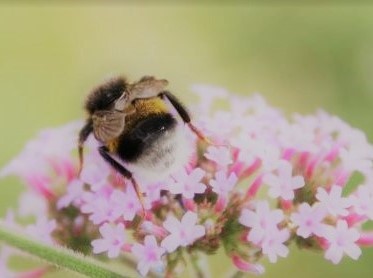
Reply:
x=267, y=149
x=221, y=127
x=148, y=255
x=309, y=220
x=188, y=184
x=112, y=241
x=273, y=244
x=95, y=172
x=220, y=155
x=153, y=190
x=182, y=233
x=262, y=222
x=245, y=266
x=362, y=202
x=333, y=201
x=54, y=144
x=99, y=207
x=355, y=159
x=252, y=149
x=299, y=137
x=75, y=190
x=150, y=228
x=222, y=184
x=32, y=204
x=42, y=229
x=240, y=105
x=366, y=239
x=268, y=154
x=283, y=183
x=125, y=204
x=341, y=239
x=109, y=205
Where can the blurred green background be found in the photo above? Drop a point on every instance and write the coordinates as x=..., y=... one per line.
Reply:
x=300, y=58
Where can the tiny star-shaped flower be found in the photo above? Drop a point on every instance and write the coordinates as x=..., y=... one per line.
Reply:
x=112, y=241
x=309, y=220
x=42, y=229
x=362, y=201
x=182, y=233
x=273, y=245
x=283, y=183
x=333, y=201
x=149, y=255
x=342, y=240
x=188, y=184
x=125, y=204
x=222, y=184
x=220, y=155
x=99, y=207
x=74, y=192
x=262, y=222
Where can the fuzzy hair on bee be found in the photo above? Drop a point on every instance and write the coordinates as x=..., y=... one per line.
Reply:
x=136, y=128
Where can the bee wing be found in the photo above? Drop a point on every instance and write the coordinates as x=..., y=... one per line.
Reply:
x=148, y=88
x=108, y=125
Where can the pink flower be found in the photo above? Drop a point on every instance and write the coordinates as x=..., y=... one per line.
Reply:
x=95, y=172
x=188, y=184
x=273, y=244
x=222, y=184
x=32, y=204
x=182, y=233
x=42, y=229
x=148, y=254
x=355, y=159
x=100, y=207
x=220, y=155
x=309, y=220
x=50, y=145
x=333, y=201
x=362, y=202
x=245, y=266
x=283, y=184
x=341, y=239
x=262, y=222
x=112, y=241
x=75, y=190
x=125, y=204
x=109, y=205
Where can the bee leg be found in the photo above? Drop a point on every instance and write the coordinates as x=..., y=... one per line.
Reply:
x=83, y=135
x=104, y=152
x=184, y=114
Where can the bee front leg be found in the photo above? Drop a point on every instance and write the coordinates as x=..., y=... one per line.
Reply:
x=184, y=114
x=83, y=135
x=104, y=152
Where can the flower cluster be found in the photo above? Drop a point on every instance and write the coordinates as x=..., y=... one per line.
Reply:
x=266, y=182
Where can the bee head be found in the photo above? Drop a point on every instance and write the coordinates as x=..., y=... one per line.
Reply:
x=104, y=96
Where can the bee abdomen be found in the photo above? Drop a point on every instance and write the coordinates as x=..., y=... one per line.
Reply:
x=143, y=135
x=156, y=147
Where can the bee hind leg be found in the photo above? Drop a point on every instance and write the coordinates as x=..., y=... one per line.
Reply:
x=104, y=152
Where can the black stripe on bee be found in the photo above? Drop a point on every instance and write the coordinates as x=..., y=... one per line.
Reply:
x=133, y=143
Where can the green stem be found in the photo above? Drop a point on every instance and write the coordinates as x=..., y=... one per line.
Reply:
x=58, y=256
x=194, y=261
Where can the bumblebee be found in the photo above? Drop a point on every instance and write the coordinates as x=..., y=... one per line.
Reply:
x=136, y=128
